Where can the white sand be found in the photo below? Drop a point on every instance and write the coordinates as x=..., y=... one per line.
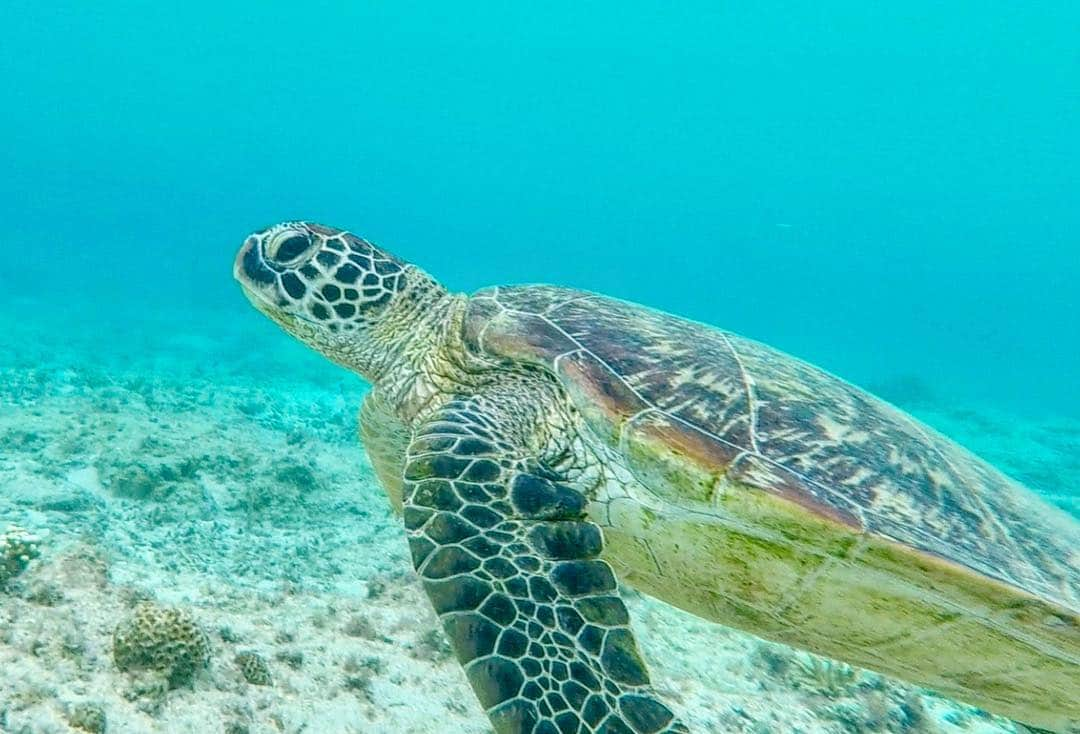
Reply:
x=255, y=509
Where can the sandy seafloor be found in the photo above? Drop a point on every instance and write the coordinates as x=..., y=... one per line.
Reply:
x=208, y=463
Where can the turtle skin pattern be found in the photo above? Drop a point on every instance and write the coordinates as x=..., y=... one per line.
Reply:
x=512, y=568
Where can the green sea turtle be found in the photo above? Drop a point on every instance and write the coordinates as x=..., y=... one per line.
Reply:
x=540, y=441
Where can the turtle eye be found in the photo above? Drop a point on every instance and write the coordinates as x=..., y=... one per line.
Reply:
x=288, y=247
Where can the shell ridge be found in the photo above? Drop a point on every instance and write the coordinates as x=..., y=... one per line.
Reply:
x=751, y=403
x=592, y=354
x=552, y=309
x=984, y=511
x=775, y=464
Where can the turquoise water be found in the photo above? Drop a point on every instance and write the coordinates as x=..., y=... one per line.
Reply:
x=887, y=191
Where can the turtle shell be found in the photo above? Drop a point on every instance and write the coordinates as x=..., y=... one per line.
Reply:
x=733, y=412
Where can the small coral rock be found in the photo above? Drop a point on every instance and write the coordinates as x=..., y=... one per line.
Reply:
x=162, y=639
x=88, y=717
x=17, y=548
x=254, y=668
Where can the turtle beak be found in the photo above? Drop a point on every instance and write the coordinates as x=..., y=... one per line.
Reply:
x=259, y=284
x=255, y=277
x=238, y=261
x=249, y=268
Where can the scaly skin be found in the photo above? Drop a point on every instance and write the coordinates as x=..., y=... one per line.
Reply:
x=499, y=535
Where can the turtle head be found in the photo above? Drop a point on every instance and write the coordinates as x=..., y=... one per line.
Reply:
x=336, y=292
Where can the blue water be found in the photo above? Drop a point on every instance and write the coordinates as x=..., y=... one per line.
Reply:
x=887, y=191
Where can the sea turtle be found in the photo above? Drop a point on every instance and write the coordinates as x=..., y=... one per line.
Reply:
x=540, y=441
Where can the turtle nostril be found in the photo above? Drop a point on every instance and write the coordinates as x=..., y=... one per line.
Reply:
x=288, y=247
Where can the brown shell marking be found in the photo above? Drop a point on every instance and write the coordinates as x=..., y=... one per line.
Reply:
x=763, y=418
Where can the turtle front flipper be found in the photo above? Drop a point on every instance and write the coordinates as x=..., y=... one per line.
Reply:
x=512, y=568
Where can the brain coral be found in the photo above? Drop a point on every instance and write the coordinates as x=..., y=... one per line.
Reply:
x=254, y=668
x=162, y=639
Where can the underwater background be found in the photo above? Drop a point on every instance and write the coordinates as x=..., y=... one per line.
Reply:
x=886, y=190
